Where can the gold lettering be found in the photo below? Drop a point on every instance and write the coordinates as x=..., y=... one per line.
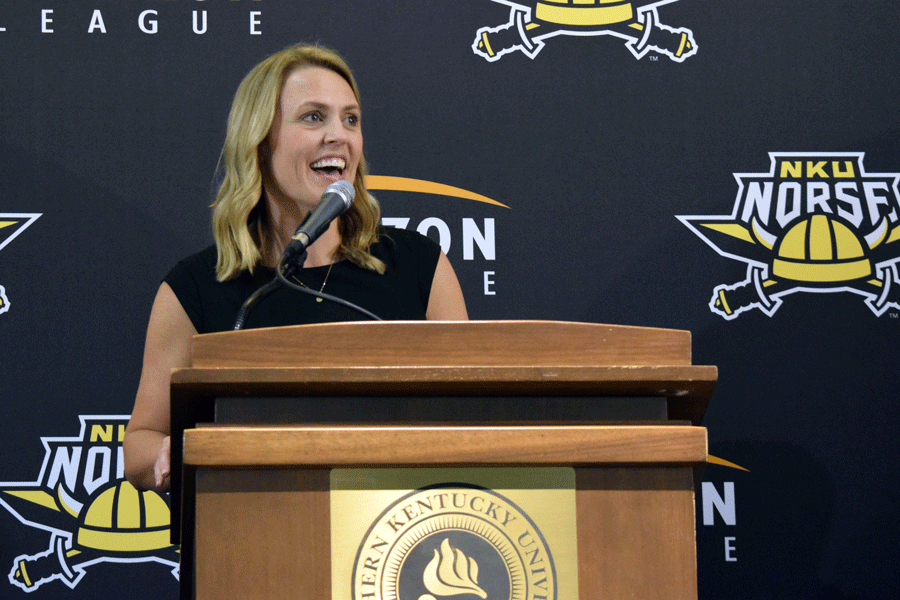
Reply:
x=791, y=169
x=836, y=168
x=103, y=432
x=816, y=169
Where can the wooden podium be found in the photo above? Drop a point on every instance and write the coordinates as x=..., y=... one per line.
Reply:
x=266, y=413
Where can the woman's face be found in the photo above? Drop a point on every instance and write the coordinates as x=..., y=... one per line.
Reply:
x=315, y=137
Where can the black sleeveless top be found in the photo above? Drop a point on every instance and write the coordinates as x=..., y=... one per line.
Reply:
x=401, y=293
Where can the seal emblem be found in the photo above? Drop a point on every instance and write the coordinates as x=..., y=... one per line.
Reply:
x=454, y=540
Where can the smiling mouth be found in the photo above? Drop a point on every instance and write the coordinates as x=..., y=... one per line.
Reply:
x=333, y=167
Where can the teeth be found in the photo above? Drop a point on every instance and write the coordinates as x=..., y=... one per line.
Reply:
x=329, y=162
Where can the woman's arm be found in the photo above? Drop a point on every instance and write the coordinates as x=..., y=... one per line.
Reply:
x=168, y=347
x=446, y=302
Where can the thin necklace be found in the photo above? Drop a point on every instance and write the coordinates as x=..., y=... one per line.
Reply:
x=323, y=282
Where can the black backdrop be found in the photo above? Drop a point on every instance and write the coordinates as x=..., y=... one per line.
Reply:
x=111, y=134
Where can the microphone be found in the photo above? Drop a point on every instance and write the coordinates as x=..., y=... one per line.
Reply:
x=335, y=201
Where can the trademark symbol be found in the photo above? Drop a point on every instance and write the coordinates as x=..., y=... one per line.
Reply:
x=894, y=315
x=654, y=58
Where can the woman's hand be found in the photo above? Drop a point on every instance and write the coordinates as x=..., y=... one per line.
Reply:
x=162, y=467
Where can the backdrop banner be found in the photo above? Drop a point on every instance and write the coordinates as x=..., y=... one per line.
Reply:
x=730, y=168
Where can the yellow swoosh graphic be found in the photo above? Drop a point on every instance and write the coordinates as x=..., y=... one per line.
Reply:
x=405, y=184
x=37, y=496
x=732, y=229
x=721, y=461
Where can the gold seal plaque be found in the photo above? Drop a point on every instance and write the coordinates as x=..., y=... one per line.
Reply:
x=428, y=534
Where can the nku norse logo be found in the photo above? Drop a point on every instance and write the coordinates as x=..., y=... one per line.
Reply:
x=11, y=225
x=91, y=513
x=636, y=22
x=816, y=222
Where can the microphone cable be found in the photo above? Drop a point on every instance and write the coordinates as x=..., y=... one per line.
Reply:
x=282, y=271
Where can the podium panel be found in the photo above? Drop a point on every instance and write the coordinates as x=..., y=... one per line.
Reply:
x=266, y=530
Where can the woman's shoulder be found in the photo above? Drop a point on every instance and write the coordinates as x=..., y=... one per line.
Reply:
x=191, y=275
x=403, y=240
x=200, y=262
x=199, y=270
x=408, y=255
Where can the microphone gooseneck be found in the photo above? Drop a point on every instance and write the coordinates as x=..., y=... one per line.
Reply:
x=338, y=197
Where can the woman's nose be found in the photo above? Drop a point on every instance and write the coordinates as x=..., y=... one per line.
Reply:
x=334, y=131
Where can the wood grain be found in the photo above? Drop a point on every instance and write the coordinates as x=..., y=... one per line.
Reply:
x=263, y=535
x=636, y=533
x=430, y=343
x=688, y=388
x=325, y=446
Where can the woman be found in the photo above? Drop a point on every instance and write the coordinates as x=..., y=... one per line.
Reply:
x=294, y=128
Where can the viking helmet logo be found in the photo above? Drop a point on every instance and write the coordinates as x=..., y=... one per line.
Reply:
x=816, y=223
x=636, y=22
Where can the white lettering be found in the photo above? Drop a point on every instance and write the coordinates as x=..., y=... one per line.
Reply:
x=120, y=462
x=67, y=464
x=783, y=214
x=729, y=548
x=143, y=22
x=796, y=199
x=46, y=20
x=855, y=214
x=254, y=22
x=92, y=482
x=197, y=30
x=443, y=231
x=873, y=199
x=97, y=23
x=761, y=198
x=488, y=282
x=485, y=241
x=725, y=507
x=472, y=235
x=817, y=195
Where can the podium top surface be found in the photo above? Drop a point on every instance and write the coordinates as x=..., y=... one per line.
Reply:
x=526, y=358
x=427, y=358
x=444, y=344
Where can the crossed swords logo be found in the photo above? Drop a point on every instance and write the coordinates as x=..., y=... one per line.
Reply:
x=11, y=225
x=91, y=513
x=635, y=22
x=826, y=244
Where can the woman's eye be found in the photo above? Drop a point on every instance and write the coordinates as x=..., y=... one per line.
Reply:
x=312, y=117
x=353, y=120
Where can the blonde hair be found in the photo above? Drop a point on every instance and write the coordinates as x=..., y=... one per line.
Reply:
x=238, y=216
